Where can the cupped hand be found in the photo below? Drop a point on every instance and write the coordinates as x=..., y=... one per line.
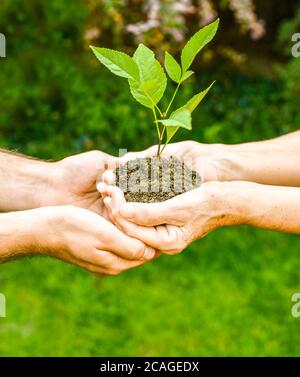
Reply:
x=74, y=180
x=172, y=225
x=203, y=158
x=85, y=239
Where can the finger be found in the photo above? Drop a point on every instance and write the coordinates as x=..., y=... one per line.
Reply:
x=146, y=234
x=109, y=177
x=101, y=187
x=108, y=206
x=108, y=264
x=176, y=211
x=105, y=162
x=147, y=214
x=107, y=202
x=115, y=199
x=141, y=154
x=124, y=246
x=167, y=238
x=140, y=213
x=112, y=264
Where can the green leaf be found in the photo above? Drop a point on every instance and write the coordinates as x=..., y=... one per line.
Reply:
x=196, y=43
x=196, y=99
x=179, y=118
x=117, y=62
x=183, y=116
x=148, y=85
x=150, y=70
x=186, y=75
x=171, y=131
x=172, y=67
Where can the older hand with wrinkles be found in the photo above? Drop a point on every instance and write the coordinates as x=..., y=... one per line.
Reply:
x=172, y=225
x=206, y=159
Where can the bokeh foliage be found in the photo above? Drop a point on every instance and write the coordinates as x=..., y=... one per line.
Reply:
x=228, y=294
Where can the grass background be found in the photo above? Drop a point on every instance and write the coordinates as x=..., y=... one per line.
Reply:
x=226, y=295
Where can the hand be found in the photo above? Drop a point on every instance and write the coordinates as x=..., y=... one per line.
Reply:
x=172, y=225
x=206, y=159
x=74, y=180
x=74, y=235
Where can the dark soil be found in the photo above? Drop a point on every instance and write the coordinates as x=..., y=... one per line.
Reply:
x=154, y=179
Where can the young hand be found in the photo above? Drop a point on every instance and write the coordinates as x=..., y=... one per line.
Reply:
x=74, y=235
x=74, y=180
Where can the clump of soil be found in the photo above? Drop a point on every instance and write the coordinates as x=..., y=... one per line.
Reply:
x=150, y=180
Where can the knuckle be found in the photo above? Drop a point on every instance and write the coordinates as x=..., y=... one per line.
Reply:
x=113, y=272
x=138, y=252
x=172, y=243
x=108, y=261
x=172, y=252
x=176, y=251
x=167, y=241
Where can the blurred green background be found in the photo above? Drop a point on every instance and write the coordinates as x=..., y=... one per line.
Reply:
x=228, y=294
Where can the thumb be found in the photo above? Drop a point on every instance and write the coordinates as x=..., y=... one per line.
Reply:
x=147, y=214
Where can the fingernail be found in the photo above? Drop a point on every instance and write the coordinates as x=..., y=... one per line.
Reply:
x=149, y=253
x=101, y=186
x=127, y=210
x=110, y=177
x=107, y=201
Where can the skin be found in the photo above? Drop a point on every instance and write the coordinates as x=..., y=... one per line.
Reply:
x=172, y=225
x=56, y=210
x=270, y=162
x=226, y=198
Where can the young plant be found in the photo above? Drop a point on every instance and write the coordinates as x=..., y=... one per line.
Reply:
x=147, y=80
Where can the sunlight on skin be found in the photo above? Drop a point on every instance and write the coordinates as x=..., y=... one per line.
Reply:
x=54, y=209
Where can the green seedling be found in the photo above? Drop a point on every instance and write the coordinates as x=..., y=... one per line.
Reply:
x=147, y=80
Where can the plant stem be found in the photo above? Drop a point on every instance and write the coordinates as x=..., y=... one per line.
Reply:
x=160, y=113
x=172, y=99
x=158, y=131
x=163, y=148
x=163, y=131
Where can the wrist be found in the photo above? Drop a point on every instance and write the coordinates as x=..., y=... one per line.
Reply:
x=52, y=184
x=31, y=185
x=40, y=182
x=18, y=235
x=230, y=202
x=220, y=162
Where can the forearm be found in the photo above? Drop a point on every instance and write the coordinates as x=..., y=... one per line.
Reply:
x=269, y=207
x=17, y=234
x=272, y=162
x=25, y=183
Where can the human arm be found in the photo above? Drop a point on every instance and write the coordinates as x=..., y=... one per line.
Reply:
x=72, y=234
x=272, y=162
x=171, y=225
x=29, y=183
